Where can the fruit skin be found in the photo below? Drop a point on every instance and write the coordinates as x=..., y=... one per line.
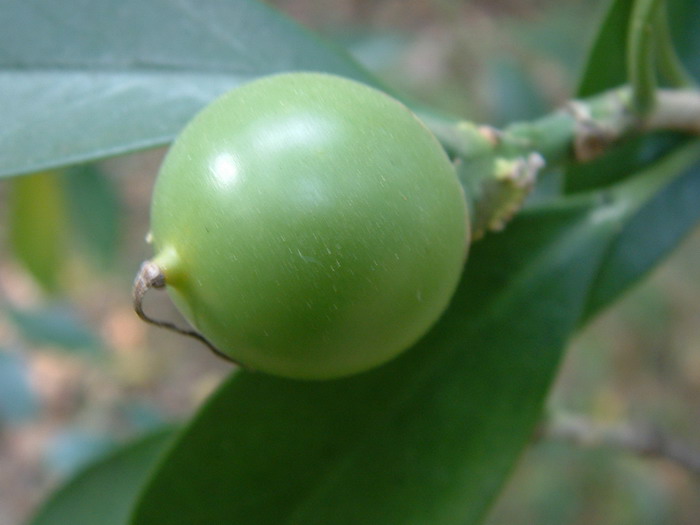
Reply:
x=309, y=226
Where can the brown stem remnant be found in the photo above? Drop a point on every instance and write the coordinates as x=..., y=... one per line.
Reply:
x=150, y=276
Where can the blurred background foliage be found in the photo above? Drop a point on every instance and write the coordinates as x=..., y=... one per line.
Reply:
x=79, y=373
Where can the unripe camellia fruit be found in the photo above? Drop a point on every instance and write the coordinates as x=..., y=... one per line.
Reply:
x=309, y=226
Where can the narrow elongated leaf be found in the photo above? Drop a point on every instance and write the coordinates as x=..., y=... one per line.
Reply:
x=653, y=232
x=105, y=491
x=607, y=58
x=430, y=437
x=622, y=161
x=669, y=216
x=84, y=80
x=37, y=227
x=683, y=18
x=94, y=208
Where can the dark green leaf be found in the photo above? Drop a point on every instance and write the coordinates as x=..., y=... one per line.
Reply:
x=683, y=17
x=37, y=227
x=94, y=207
x=622, y=161
x=671, y=214
x=84, y=80
x=607, y=61
x=428, y=438
x=105, y=491
x=654, y=230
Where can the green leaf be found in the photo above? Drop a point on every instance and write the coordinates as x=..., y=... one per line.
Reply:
x=622, y=161
x=94, y=209
x=607, y=59
x=105, y=491
x=671, y=66
x=654, y=230
x=669, y=216
x=428, y=438
x=84, y=80
x=683, y=17
x=37, y=227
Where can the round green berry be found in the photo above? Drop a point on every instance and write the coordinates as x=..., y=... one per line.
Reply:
x=309, y=226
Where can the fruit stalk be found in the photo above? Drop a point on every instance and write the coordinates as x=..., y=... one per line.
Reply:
x=151, y=276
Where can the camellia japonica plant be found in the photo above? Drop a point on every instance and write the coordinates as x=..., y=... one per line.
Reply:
x=394, y=286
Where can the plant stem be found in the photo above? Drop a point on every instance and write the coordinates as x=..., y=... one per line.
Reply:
x=498, y=168
x=580, y=131
x=643, y=440
x=677, y=110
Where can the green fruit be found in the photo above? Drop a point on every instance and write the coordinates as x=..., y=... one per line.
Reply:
x=309, y=226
